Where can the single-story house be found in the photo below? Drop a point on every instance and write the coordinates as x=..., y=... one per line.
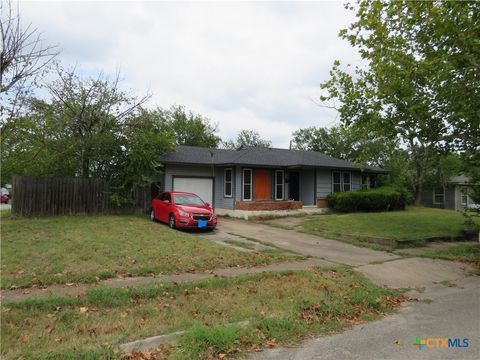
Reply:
x=455, y=195
x=254, y=178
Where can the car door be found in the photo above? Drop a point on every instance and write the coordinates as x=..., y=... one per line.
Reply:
x=164, y=208
x=156, y=205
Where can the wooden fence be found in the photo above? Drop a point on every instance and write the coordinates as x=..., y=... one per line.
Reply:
x=71, y=196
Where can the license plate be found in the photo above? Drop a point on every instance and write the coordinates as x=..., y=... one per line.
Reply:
x=202, y=223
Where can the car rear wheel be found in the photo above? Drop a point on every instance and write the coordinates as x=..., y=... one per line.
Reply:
x=152, y=215
x=171, y=221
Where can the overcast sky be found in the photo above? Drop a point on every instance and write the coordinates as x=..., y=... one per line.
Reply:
x=243, y=65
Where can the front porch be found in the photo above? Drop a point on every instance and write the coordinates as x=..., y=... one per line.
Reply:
x=256, y=205
x=248, y=214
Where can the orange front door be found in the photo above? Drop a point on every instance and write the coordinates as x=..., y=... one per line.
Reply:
x=261, y=184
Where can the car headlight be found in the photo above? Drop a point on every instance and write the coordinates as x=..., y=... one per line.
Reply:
x=183, y=213
x=214, y=215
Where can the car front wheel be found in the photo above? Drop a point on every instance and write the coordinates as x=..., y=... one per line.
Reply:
x=171, y=221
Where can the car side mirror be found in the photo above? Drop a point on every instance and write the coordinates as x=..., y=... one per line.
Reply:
x=207, y=204
x=166, y=202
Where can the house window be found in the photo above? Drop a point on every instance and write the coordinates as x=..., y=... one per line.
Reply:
x=337, y=182
x=279, y=184
x=347, y=182
x=227, y=183
x=341, y=181
x=438, y=196
x=247, y=184
x=368, y=181
x=365, y=182
x=464, y=196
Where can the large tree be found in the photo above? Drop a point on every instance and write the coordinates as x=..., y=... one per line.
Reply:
x=419, y=81
x=24, y=58
x=247, y=138
x=346, y=143
x=187, y=127
x=89, y=127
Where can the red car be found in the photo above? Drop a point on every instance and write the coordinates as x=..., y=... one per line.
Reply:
x=183, y=210
x=4, y=198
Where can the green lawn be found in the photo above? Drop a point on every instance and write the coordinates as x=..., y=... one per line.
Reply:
x=416, y=223
x=87, y=248
x=469, y=253
x=281, y=309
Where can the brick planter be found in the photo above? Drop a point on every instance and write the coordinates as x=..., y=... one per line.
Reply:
x=268, y=205
x=322, y=203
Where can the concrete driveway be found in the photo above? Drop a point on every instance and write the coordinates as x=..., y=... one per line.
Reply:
x=5, y=206
x=331, y=250
x=451, y=306
x=452, y=311
x=382, y=267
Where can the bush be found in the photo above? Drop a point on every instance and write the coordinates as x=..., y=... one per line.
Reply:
x=381, y=199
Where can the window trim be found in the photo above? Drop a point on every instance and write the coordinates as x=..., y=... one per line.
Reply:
x=283, y=184
x=342, y=183
x=243, y=184
x=349, y=181
x=435, y=195
x=367, y=184
x=225, y=183
x=464, y=192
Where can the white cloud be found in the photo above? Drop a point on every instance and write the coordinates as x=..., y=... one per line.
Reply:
x=244, y=65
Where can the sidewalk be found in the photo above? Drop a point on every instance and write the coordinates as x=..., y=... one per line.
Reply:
x=81, y=289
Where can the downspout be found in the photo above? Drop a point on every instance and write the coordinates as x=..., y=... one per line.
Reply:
x=213, y=177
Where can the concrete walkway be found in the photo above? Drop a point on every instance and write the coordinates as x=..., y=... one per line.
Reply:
x=381, y=267
x=81, y=289
x=312, y=245
x=450, y=311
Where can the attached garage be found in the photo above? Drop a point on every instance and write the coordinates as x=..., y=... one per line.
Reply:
x=203, y=187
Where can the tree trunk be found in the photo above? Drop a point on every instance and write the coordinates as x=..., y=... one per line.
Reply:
x=419, y=178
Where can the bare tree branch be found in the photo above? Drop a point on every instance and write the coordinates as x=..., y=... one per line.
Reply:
x=24, y=54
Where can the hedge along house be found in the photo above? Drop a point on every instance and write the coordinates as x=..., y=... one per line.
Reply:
x=253, y=179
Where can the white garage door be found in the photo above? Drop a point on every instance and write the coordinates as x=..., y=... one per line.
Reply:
x=201, y=187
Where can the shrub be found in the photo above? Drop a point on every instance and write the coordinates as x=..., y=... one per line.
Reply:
x=381, y=199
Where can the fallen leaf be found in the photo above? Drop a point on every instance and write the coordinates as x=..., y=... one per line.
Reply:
x=272, y=342
x=49, y=329
x=83, y=310
x=24, y=338
x=69, y=284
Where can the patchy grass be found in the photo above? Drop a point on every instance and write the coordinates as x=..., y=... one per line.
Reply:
x=272, y=246
x=468, y=253
x=241, y=244
x=88, y=248
x=281, y=309
x=414, y=224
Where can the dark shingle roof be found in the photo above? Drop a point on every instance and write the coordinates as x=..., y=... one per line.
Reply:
x=256, y=156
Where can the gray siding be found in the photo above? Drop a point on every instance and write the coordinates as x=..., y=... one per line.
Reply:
x=307, y=186
x=221, y=201
x=356, y=181
x=426, y=198
x=324, y=182
x=238, y=183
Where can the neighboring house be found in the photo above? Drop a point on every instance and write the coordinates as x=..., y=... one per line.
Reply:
x=251, y=178
x=455, y=195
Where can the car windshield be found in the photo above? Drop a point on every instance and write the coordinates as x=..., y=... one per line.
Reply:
x=184, y=199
